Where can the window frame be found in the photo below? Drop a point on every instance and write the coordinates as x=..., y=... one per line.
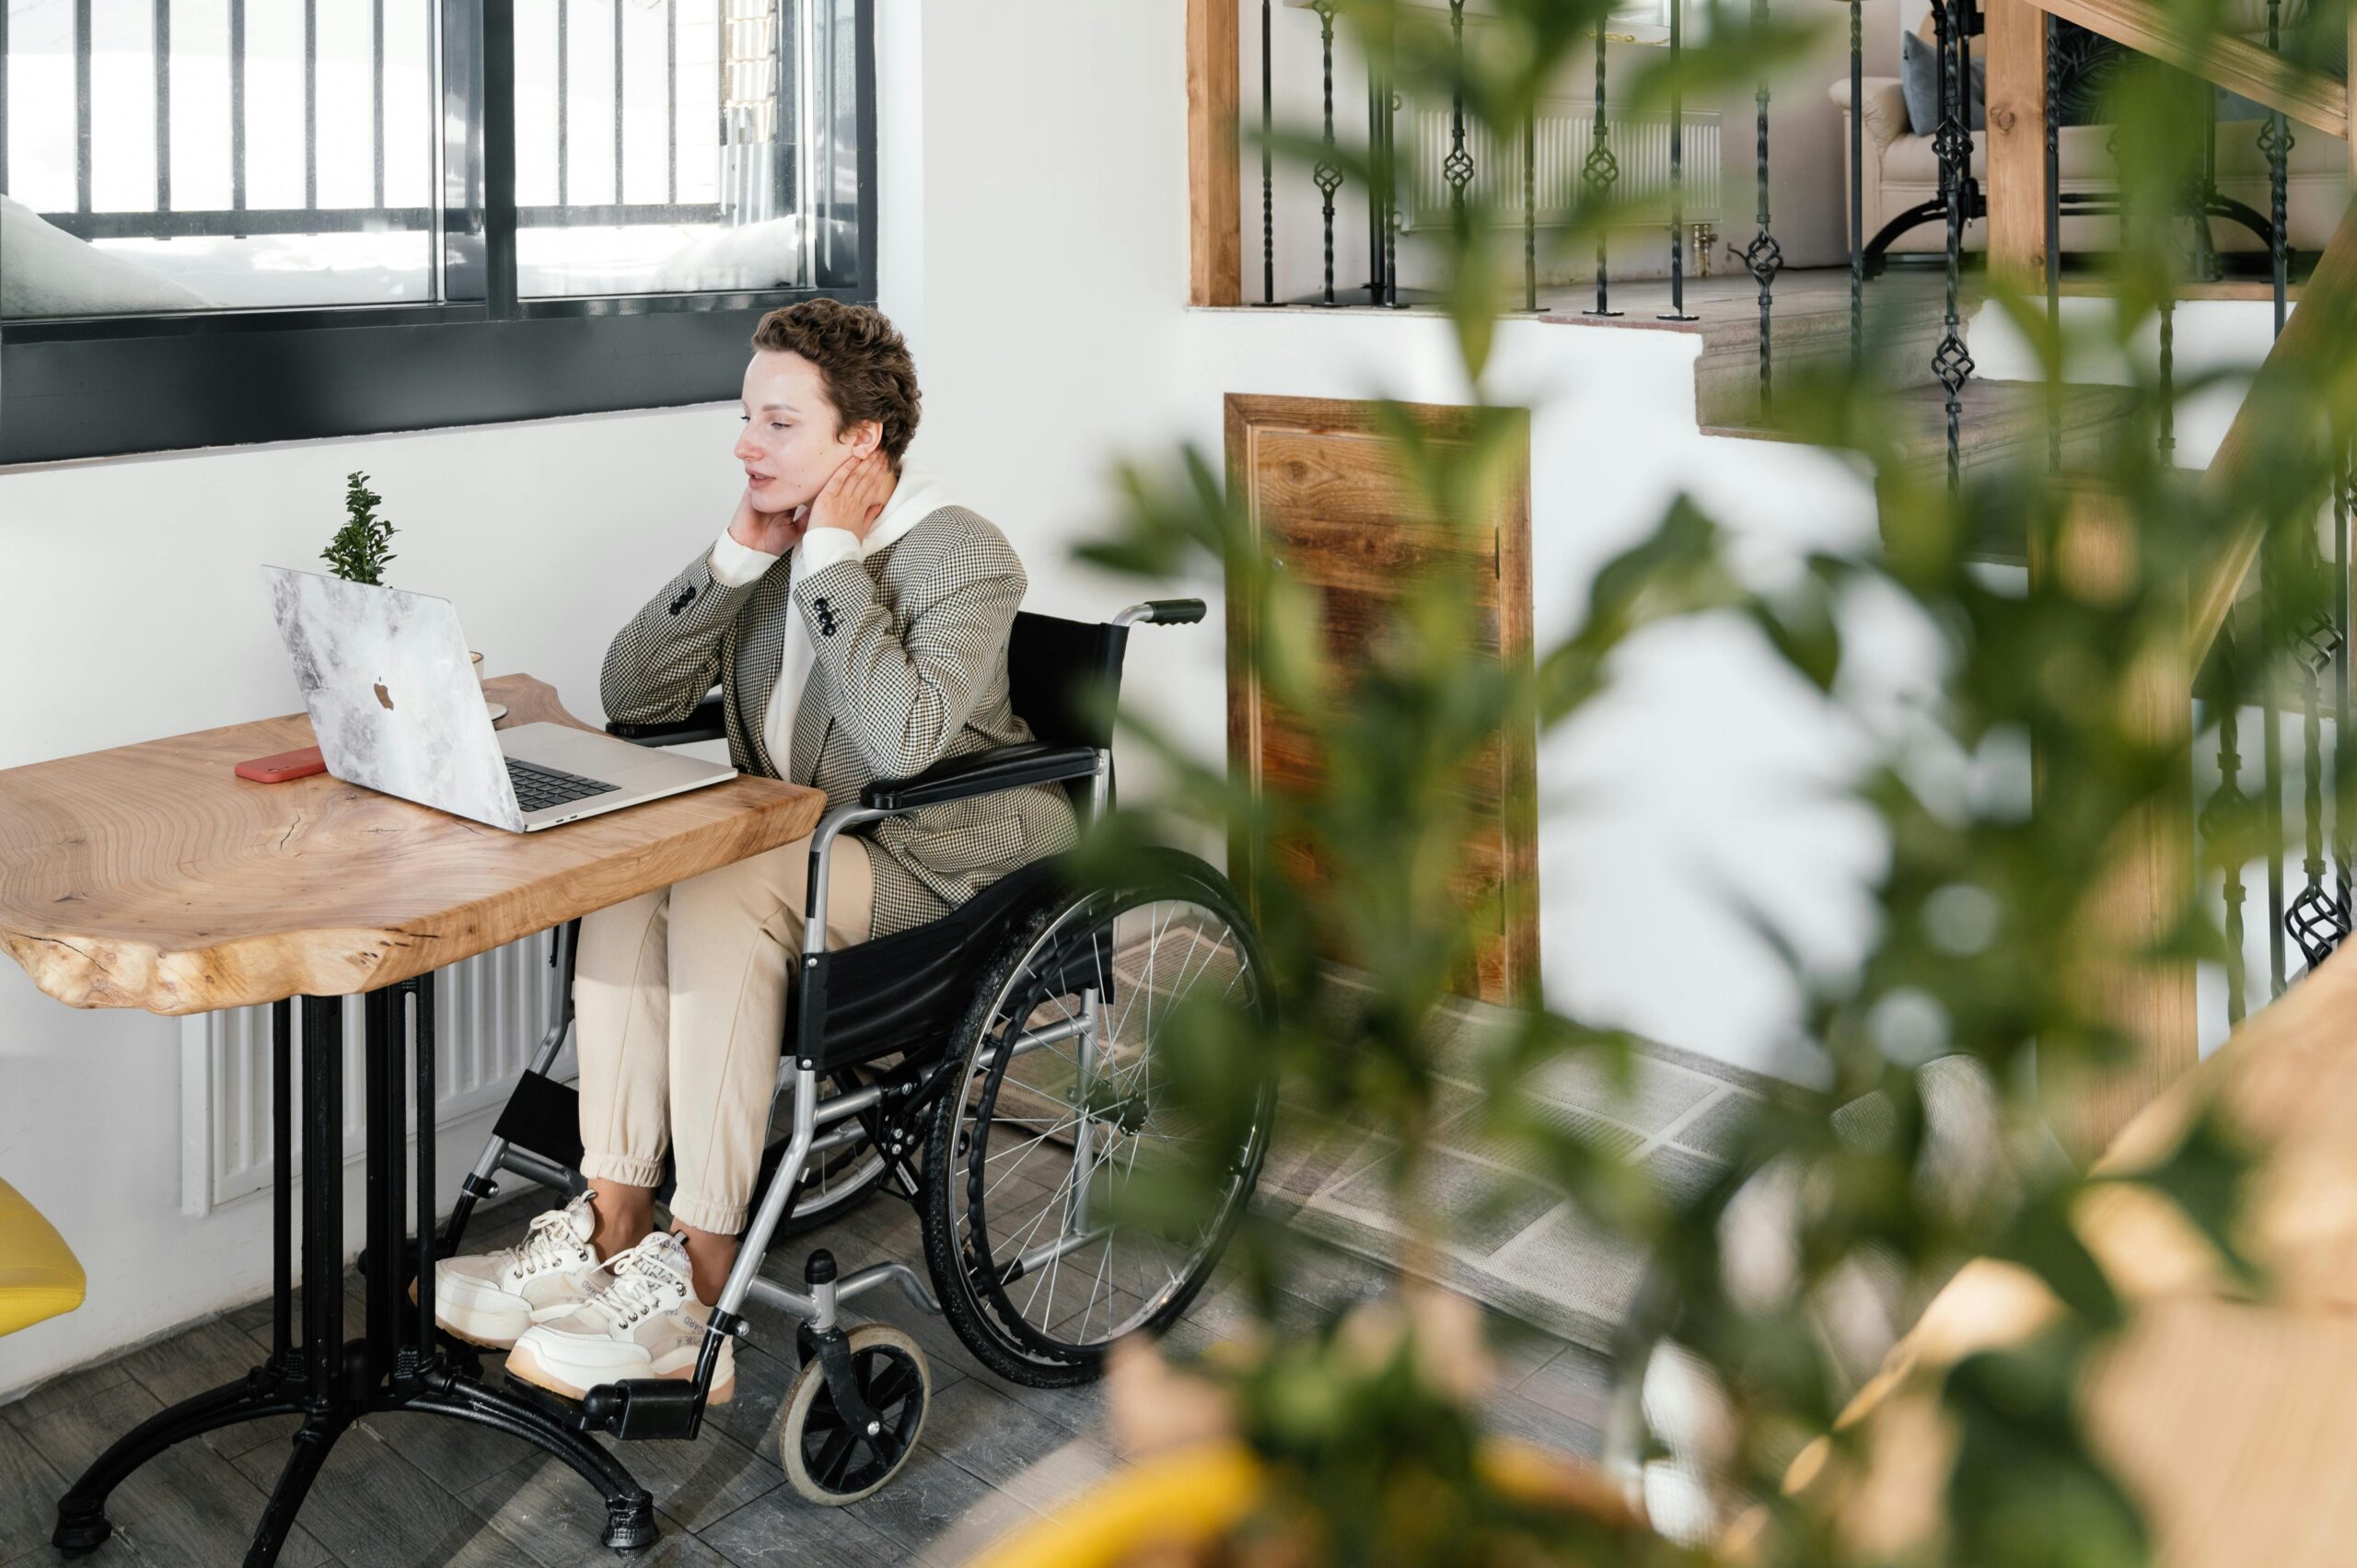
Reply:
x=115, y=386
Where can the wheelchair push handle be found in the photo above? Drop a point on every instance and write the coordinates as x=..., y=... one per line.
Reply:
x=1162, y=612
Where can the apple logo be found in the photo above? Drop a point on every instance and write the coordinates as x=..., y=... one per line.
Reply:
x=381, y=696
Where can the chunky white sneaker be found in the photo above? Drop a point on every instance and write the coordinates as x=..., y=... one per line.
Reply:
x=488, y=1298
x=647, y=1323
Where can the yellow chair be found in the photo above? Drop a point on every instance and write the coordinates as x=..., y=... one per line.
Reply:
x=40, y=1276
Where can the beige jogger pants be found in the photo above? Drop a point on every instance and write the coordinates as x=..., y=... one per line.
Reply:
x=680, y=1013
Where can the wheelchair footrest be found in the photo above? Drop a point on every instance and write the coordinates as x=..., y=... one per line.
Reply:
x=633, y=1409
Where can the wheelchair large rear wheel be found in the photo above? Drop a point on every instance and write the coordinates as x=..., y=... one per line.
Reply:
x=1063, y=1105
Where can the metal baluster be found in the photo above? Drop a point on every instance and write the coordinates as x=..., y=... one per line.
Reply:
x=2271, y=776
x=2206, y=265
x=2054, y=237
x=1328, y=178
x=1458, y=168
x=161, y=52
x=1530, y=211
x=2275, y=141
x=1374, y=188
x=1950, y=363
x=2221, y=826
x=2318, y=921
x=1599, y=171
x=1387, y=268
x=1858, y=184
x=2168, y=378
x=1268, y=169
x=1763, y=257
x=2343, y=751
x=1676, y=311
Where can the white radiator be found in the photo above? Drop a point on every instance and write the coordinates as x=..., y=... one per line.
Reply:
x=489, y=1013
x=1567, y=129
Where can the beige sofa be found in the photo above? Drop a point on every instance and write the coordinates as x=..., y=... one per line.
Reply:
x=1901, y=170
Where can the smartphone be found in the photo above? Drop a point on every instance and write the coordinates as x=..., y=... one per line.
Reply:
x=286, y=765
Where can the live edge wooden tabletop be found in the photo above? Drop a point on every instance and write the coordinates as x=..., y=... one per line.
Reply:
x=153, y=877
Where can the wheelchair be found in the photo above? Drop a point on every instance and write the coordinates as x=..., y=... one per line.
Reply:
x=995, y=1068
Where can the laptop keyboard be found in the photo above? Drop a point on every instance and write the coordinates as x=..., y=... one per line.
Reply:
x=537, y=787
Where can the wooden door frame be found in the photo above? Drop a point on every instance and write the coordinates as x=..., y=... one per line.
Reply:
x=1518, y=753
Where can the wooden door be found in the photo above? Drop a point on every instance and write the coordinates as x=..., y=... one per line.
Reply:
x=1326, y=497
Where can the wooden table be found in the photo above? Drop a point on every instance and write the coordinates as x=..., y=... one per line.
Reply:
x=152, y=877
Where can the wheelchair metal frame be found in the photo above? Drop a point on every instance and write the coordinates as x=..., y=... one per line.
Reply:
x=672, y=1408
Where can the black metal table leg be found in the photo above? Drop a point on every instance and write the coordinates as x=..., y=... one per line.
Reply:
x=331, y=1383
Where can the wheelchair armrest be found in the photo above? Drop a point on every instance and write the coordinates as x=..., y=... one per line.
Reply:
x=980, y=774
x=708, y=723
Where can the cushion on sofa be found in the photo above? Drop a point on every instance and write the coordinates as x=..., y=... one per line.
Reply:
x=1919, y=78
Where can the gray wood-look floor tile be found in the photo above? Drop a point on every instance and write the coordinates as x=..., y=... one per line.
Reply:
x=29, y=1489
x=201, y=1359
x=188, y=1504
x=922, y=1502
x=62, y=1391
x=783, y=1529
x=546, y=1514
x=452, y=1453
x=372, y=1507
x=1576, y=1384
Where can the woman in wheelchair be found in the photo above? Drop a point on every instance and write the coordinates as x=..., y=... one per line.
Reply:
x=968, y=1028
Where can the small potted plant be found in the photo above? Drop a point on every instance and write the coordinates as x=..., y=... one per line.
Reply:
x=357, y=553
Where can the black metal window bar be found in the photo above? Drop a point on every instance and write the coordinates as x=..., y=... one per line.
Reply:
x=743, y=106
x=478, y=350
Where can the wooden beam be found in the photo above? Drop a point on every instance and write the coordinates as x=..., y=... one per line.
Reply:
x=1214, y=187
x=2144, y=892
x=2017, y=188
x=2309, y=97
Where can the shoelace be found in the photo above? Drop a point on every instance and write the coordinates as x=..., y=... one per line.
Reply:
x=640, y=1286
x=549, y=1242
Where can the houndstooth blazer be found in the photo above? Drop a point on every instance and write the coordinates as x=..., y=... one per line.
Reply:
x=910, y=670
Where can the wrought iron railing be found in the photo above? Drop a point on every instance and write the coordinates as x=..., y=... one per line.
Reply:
x=1599, y=175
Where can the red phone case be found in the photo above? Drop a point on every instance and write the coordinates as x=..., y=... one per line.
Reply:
x=286, y=765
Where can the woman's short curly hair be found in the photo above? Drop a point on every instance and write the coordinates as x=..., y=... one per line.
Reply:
x=862, y=362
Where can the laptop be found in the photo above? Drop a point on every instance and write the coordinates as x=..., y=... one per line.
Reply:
x=396, y=706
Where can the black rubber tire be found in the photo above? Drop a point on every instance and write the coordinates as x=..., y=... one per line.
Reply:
x=1012, y=1351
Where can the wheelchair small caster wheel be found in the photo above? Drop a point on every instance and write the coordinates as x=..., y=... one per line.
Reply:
x=829, y=1459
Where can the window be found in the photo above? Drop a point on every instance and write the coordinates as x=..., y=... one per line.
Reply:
x=243, y=220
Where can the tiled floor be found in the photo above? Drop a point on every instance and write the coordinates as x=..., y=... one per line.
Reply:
x=404, y=1491
x=1512, y=1240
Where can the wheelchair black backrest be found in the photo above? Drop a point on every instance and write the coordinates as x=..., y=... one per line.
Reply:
x=907, y=991
x=1063, y=678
